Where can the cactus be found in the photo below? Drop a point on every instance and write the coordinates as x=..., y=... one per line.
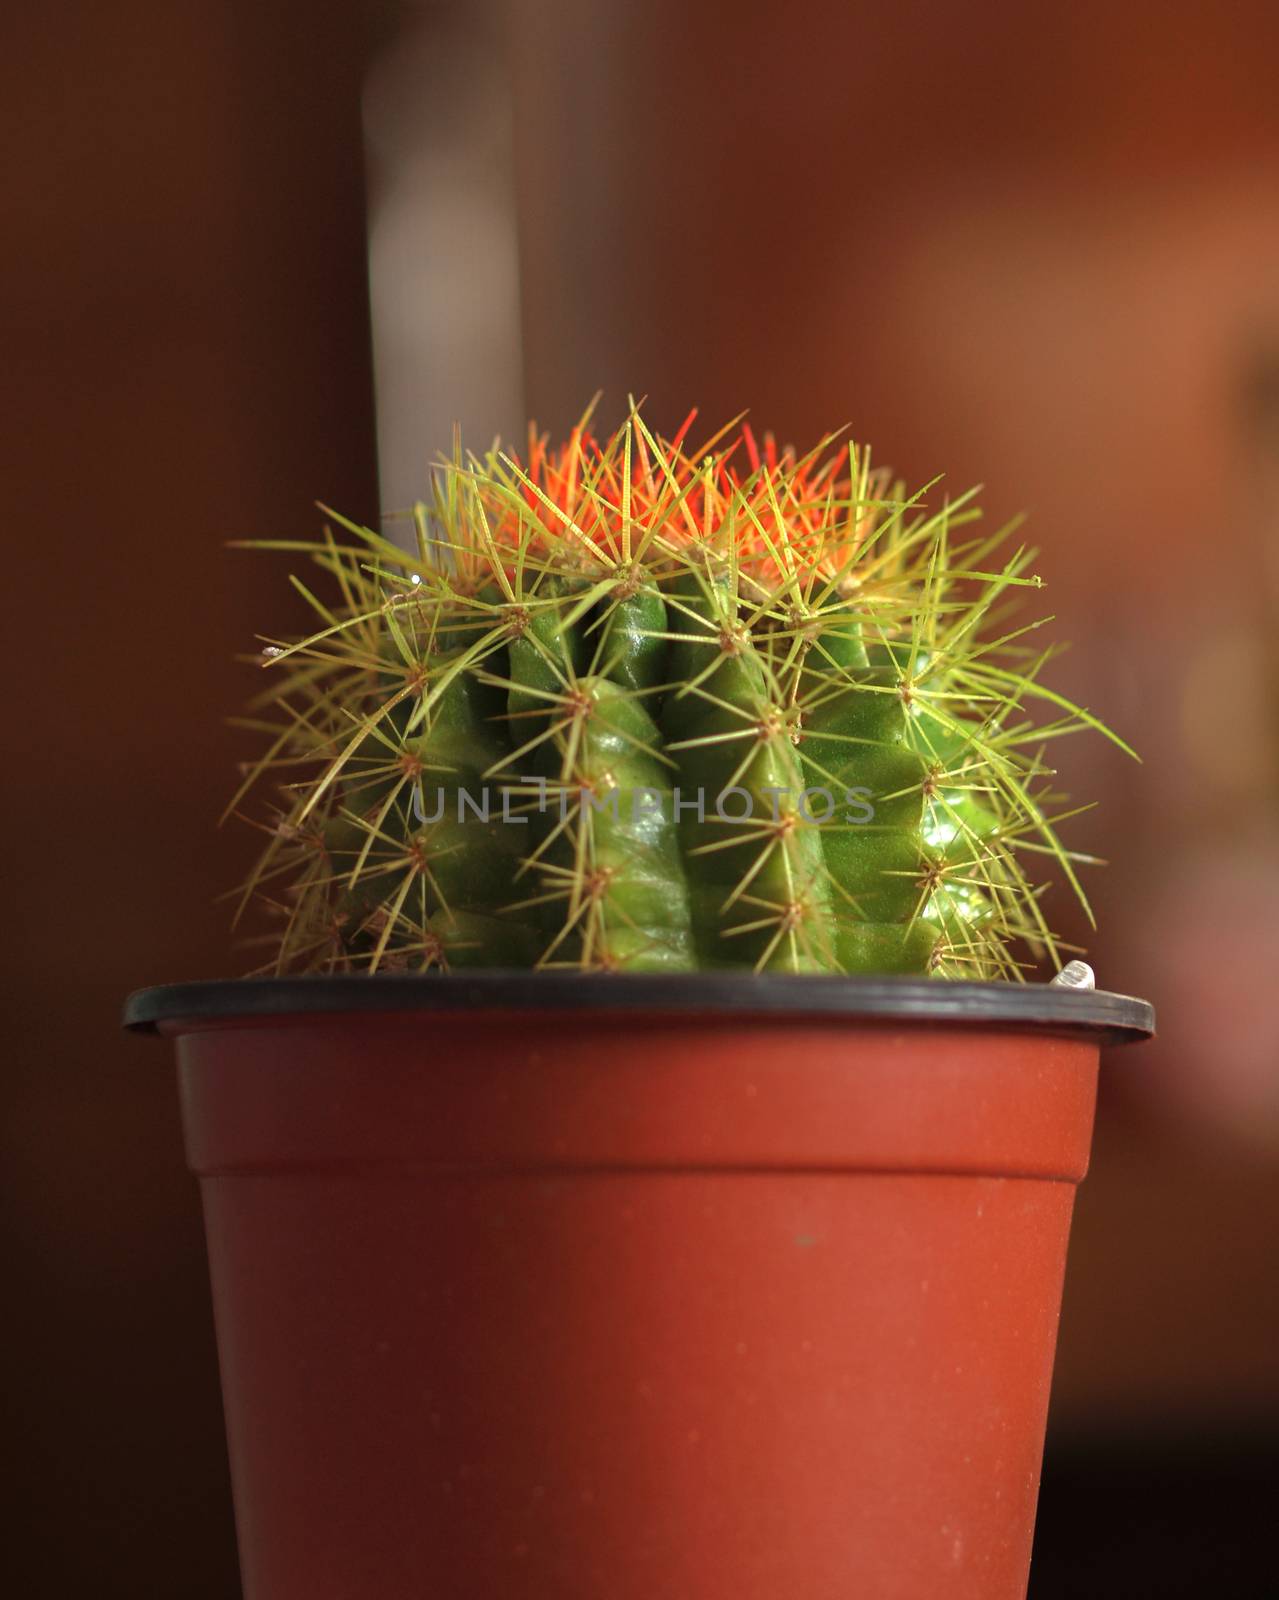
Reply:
x=627, y=705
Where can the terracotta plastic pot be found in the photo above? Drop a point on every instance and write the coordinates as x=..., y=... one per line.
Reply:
x=719, y=1288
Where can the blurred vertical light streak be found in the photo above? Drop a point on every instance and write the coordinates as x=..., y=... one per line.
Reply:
x=443, y=255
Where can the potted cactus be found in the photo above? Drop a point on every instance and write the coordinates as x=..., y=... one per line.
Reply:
x=640, y=1166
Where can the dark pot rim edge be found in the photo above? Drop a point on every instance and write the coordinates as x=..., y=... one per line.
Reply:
x=1034, y=1006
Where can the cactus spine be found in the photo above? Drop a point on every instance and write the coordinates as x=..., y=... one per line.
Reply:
x=630, y=706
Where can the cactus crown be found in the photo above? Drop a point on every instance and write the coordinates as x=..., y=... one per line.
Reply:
x=630, y=705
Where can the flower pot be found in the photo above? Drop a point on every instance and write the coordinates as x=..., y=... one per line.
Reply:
x=629, y=1288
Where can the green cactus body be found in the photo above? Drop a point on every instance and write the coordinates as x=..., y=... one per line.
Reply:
x=855, y=746
x=624, y=882
x=754, y=861
x=423, y=869
x=615, y=895
x=467, y=859
x=631, y=709
x=632, y=648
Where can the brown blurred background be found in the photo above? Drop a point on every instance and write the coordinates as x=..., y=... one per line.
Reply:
x=1032, y=246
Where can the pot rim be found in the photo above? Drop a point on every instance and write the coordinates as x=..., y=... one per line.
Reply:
x=1033, y=1007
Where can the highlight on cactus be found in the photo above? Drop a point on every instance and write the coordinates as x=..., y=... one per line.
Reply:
x=631, y=704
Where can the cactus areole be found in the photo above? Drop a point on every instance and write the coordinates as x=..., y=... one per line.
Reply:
x=634, y=705
x=604, y=1197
